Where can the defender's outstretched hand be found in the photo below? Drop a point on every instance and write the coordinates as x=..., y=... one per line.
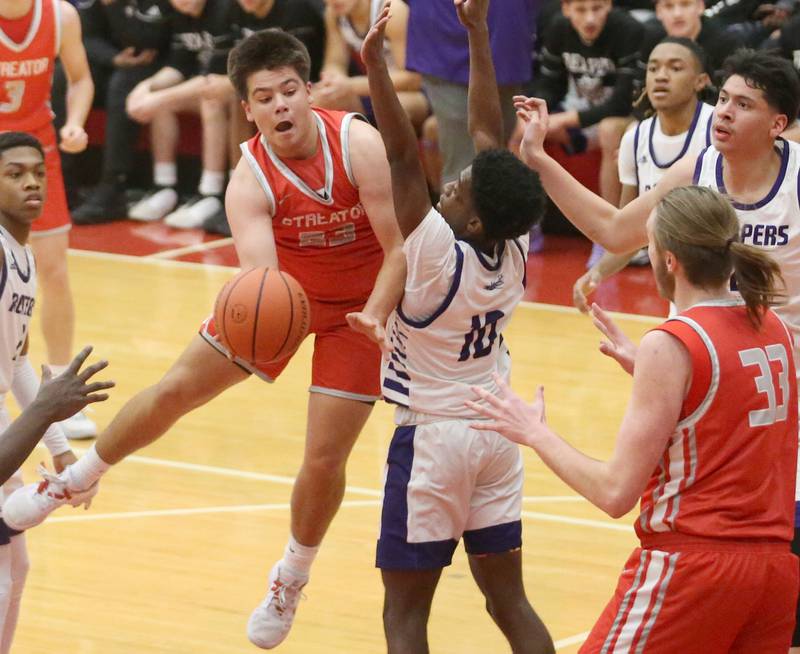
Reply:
x=533, y=113
x=372, y=53
x=509, y=415
x=618, y=346
x=584, y=286
x=63, y=396
x=472, y=13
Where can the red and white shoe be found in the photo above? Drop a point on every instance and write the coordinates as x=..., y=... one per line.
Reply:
x=271, y=621
x=28, y=506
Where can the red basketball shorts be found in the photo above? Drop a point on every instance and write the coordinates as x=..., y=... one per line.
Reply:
x=345, y=363
x=55, y=214
x=738, y=598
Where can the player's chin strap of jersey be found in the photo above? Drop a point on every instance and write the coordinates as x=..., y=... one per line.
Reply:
x=25, y=386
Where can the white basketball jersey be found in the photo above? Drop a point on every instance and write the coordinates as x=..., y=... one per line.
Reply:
x=17, y=293
x=772, y=223
x=650, y=165
x=458, y=342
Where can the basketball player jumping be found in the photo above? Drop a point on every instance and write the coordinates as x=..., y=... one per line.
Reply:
x=708, y=441
x=466, y=275
x=747, y=161
x=32, y=34
x=311, y=195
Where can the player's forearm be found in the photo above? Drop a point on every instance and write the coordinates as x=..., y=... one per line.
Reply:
x=589, y=477
x=389, y=285
x=21, y=436
x=611, y=264
x=395, y=127
x=485, y=118
x=80, y=94
x=587, y=211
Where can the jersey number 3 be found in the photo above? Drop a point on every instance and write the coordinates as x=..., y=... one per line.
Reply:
x=765, y=382
x=11, y=99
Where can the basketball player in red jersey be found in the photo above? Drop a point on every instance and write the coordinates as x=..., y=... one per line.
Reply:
x=709, y=443
x=312, y=195
x=32, y=34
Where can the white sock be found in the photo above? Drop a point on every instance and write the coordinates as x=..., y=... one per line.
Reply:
x=86, y=470
x=165, y=174
x=211, y=182
x=14, y=568
x=297, y=558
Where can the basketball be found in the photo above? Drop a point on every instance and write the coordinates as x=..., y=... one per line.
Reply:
x=262, y=315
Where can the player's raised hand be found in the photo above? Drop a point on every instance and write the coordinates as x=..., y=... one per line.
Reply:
x=73, y=138
x=532, y=112
x=585, y=285
x=472, y=13
x=372, y=48
x=618, y=346
x=63, y=396
x=508, y=414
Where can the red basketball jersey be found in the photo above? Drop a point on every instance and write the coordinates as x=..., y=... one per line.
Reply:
x=729, y=468
x=26, y=68
x=322, y=233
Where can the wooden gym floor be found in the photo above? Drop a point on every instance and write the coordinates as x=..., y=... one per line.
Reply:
x=173, y=554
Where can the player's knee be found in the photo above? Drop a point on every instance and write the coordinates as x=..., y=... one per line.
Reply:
x=177, y=391
x=327, y=464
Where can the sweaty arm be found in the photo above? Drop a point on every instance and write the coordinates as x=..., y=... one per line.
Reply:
x=80, y=88
x=249, y=212
x=374, y=181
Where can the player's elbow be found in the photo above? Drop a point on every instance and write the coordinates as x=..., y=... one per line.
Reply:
x=617, y=502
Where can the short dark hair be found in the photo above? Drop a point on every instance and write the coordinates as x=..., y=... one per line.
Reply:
x=770, y=73
x=692, y=46
x=267, y=50
x=507, y=195
x=10, y=140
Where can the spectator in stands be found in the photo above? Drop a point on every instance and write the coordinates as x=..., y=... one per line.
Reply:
x=125, y=41
x=684, y=18
x=186, y=83
x=589, y=64
x=438, y=49
x=343, y=84
x=750, y=20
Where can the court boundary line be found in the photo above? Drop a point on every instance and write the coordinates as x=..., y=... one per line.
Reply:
x=205, y=246
x=571, y=640
x=151, y=260
x=189, y=511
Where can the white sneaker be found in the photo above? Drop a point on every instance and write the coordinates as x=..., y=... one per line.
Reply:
x=194, y=213
x=28, y=506
x=79, y=427
x=154, y=205
x=270, y=622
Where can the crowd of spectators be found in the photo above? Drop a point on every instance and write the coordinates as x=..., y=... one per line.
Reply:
x=153, y=61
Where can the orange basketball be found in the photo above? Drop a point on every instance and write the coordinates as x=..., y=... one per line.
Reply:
x=262, y=315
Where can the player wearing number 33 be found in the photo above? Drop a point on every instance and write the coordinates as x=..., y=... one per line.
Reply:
x=709, y=443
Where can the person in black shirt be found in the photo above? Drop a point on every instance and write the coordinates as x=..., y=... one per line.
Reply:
x=188, y=82
x=684, y=18
x=125, y=42
x=788, y=42
x=589, y=63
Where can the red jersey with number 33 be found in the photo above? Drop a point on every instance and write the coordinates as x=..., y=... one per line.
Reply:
x=322, y=233
x=26, y=67
x=729, y=468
